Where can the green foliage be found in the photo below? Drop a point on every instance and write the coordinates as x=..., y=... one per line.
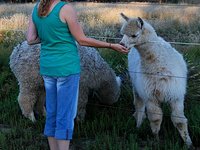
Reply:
x=7, y=80
x=116, y=60
x=192, y=55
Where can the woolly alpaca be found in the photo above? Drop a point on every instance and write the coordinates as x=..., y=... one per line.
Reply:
x=158, y=74
x=96, y=75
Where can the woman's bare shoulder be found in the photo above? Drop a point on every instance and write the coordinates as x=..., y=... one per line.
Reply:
x=68, y=12
x=67, y=7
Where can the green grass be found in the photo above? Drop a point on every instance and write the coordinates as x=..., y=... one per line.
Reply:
x=105, y=127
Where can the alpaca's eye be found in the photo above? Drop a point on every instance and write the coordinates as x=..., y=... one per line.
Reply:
x=134, y=36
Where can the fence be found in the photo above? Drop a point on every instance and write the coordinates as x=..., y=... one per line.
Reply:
x=193, y=77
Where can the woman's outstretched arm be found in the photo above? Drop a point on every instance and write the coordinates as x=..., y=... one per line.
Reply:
x=69, y=16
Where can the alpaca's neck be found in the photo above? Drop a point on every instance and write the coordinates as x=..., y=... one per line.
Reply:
x=148, y=56
x=145, y=45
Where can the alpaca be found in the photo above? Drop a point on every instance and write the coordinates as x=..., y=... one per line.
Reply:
x=96, y=75
x=158, y=74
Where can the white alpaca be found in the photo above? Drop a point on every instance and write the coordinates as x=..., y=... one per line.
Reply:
x=96, y=75
x=158, y=74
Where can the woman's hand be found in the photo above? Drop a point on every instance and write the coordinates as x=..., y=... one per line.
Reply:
x=119, y=48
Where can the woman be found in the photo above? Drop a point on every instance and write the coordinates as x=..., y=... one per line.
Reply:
x=54, y=23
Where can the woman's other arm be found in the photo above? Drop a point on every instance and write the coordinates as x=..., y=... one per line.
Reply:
x=32, y=35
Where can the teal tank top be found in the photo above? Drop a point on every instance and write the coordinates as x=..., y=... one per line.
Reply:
x=58, y=55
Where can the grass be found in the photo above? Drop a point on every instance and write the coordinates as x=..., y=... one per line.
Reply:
x=105, y=127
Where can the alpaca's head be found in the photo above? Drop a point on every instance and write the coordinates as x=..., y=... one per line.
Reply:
x=136, y=31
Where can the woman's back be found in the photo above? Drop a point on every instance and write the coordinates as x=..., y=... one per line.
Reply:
x=59, y=55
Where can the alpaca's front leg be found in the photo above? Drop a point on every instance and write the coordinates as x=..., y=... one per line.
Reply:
x=180, y=121
x=139, y=109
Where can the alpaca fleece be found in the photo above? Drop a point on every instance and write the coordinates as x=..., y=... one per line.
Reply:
x=96, y=75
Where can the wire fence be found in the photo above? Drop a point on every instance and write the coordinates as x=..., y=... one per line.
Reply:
x=146, y=73
x=118, y=39
x=160, y=74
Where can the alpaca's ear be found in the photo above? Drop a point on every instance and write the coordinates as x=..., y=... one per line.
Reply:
x=140, y=22
x=125, y=17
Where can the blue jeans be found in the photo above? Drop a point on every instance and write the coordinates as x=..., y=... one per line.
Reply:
x=61, y=105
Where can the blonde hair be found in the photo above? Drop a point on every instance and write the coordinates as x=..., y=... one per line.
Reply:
x=44, y=7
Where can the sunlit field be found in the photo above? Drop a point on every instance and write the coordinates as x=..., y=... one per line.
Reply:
x=105, y=127
x=104, y=20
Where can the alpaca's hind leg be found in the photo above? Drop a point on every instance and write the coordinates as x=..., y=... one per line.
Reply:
x=139, y=109
x=180, y=121
x=155, y=115
x=27, y=101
